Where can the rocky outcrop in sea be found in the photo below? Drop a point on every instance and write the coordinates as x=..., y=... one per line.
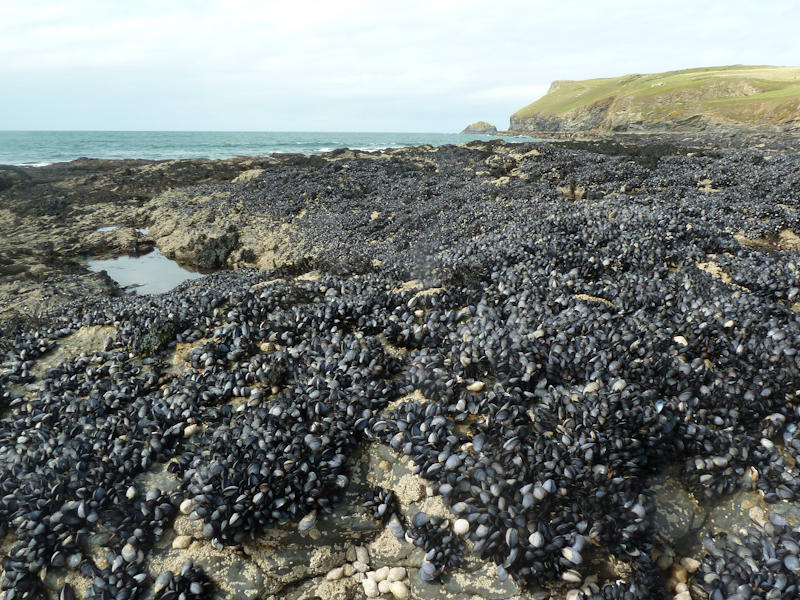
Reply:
x=483, y=371
x=480, y=128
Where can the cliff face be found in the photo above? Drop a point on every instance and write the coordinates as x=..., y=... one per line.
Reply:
x=713, y=99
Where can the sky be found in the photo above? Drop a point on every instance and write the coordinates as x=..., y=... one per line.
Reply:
x=349, y=65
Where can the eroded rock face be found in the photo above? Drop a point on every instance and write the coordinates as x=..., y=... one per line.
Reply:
x=56, y=216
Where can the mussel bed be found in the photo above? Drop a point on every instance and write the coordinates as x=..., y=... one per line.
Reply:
x=558, y=313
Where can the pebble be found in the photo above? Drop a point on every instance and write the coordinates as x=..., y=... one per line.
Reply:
x=476, y=386
x=362, y=555
x=399, y=590
x=190, y=430
x=182, y=541
x=384, y=586
x=370, y=588
x=680, y=574
x=461, y=526
x=360, y=566
x=348, y=570
x=186, y=506
x=335, y=574
x=397, y=574
x=690, y=564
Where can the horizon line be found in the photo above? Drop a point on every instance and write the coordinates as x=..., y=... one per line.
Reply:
x=212, y=131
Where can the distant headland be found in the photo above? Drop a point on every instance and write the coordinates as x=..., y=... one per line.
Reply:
x=713, y=99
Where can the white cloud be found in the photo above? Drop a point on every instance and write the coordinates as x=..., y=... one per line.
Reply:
x=313, y=61
x=509, y=92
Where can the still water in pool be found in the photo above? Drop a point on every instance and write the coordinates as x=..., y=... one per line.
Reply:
x=151, y=273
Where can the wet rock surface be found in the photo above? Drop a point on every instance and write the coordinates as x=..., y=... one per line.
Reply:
x=490, y=371
x=54, y=217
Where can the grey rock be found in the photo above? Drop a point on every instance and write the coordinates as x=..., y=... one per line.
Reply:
x=678, y=516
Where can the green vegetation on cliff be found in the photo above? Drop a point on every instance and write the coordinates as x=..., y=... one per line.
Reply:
x=480, y=127
x=753, y=97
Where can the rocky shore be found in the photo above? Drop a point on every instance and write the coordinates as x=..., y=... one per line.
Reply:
x=532, y=371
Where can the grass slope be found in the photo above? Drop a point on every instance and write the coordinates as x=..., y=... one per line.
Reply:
x=752, y=95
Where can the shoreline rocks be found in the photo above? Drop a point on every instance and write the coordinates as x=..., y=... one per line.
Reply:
x=520, y=379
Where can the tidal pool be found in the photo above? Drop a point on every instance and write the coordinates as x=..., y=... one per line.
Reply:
x=151, y=273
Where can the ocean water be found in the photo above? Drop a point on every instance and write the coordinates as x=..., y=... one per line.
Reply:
x=37, y=148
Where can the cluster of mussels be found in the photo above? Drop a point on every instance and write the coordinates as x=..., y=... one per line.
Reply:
x=442, y=548
x=382, y=503
x=191, y=583
x=760, y=561
x=551, y=350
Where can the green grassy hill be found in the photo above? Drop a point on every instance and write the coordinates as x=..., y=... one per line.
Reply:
x=749, y=97
x=480, y=127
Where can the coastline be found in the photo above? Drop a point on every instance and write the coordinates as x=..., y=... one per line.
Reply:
x=732, y=138
x=23, y=148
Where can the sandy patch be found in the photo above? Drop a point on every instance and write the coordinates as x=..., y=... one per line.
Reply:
x=717, y=272
x=390, y=348
x=248, y=175
x=588, y=298
x=310, y=276
x=785, y=240
x=178, y=363
x=86, y=340
x=263, y=284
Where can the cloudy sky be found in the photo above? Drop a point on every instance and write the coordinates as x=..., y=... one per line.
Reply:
x=349, y=65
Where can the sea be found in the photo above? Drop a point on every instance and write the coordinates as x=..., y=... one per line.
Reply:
x=39, y=148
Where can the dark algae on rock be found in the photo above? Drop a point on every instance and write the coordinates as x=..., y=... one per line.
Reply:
x=492, y=370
